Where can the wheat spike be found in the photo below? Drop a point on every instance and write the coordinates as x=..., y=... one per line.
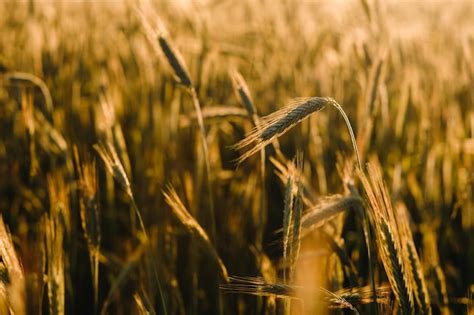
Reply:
x=113, y=164
x=243, y=92
x=258, y=286
x=279, y=122
x=415, y=267
x=388, y=237
x=175, y=60
x=173, y=56
x=327, y=208
x=276, y=124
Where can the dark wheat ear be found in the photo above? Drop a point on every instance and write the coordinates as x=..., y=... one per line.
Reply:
x=278, y=123
x=388, y=237
x=173, y=56
x=175, y=60
x=242, y=91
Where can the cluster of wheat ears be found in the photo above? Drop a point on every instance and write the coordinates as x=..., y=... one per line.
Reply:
x=180, y=216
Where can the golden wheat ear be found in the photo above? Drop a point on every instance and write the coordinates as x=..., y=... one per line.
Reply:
x=388, y=237
x=278, y=123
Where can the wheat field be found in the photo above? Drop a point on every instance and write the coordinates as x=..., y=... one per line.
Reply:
x=236, y=157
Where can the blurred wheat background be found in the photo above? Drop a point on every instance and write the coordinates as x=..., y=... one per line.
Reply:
x=122, y=189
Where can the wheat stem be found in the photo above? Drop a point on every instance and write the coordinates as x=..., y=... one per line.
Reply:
x=349, y=128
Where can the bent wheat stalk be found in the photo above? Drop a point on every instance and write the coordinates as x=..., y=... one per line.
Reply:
x=24, y=77
x=194, y=228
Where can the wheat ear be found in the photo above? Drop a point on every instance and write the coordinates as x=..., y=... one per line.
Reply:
x=113, y=164
x=388, y=237
x=278, y=123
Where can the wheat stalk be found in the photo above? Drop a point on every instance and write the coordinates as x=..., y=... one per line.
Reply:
x=185, y=218
x=113, y=164
x=242, y=91
x=194, y=228
x=126, y=269
x=175, y=60
x=287, y=214
x=336, y=243
x=344, y=298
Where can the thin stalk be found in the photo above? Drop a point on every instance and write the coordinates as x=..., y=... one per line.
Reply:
x=263, y=199
x=368, y=241
x=351, y=132
x=370, y=245
x=197, y=108
x=151, y=252
x=242, y=91
x=366, y=223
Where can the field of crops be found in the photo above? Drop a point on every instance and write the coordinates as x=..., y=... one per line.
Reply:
x=236, y=157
